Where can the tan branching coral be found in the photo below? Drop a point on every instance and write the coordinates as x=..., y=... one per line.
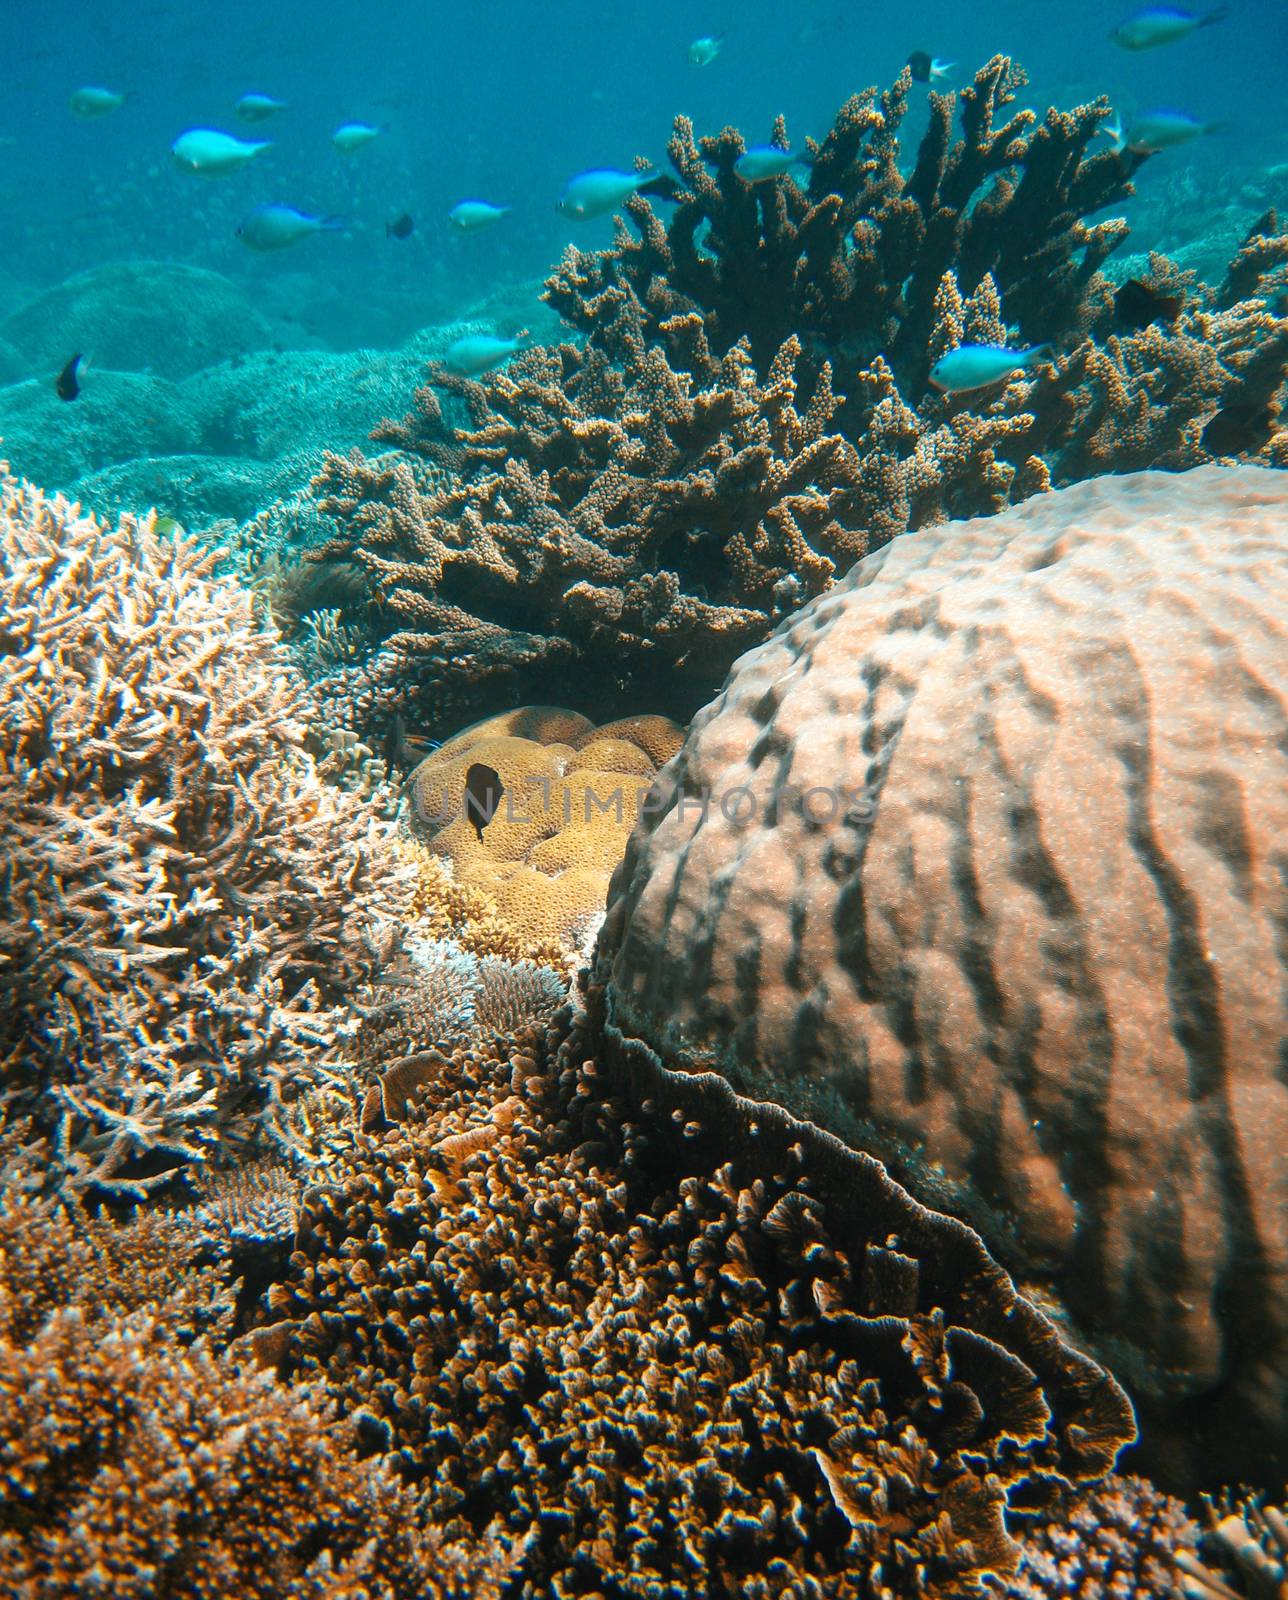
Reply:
x=1122, y=1539
x=663, y=512
x=132, y=1466
x=1246, y=1548
x=678, y=1363
x=851, y=259
x=187, y=903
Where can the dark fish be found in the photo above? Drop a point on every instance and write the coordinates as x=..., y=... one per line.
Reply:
x=483, y=793
x=1136, y=305
x=1265, y=227
x=926, y=68
x=399, y=227
x=403, y=749
x=1239, y=428
x=67, y=383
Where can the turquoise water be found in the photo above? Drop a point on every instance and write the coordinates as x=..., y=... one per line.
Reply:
x=151, y=358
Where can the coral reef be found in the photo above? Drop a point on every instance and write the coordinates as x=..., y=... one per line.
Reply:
x=1246, y=1543
x=570, y=795
x=852, y=263
x=188, y=905
x=623, y=522
x=679, y=1359
x=979, y=863
x=134, y=1466
x=138, y=316
x=747, y=413
x=1119, y=1540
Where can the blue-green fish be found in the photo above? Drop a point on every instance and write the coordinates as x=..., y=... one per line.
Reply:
x=592, y=194
x=258, y=107
x=765, y=161
x=350, y=136
x=271, y=227
x=1155, y=25
x=469, y=216
x=980, y=366
x=92, y=101
x=211, y=154
x=702, y=52
x=475, y=353
x=1164, y=130
x=926, y=68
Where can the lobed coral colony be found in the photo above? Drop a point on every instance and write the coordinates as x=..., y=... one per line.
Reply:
x=887, y=1200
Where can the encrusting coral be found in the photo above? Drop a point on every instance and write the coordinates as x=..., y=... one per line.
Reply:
x=746, y=412
x=187, y=905
x=570, y=794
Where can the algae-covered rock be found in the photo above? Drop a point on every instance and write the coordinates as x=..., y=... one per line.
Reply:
x=117, y=416
x=138, y=316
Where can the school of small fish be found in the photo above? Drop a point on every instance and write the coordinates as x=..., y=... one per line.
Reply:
x=598, y=191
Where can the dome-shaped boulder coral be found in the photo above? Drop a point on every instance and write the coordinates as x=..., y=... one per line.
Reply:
x=980, y=862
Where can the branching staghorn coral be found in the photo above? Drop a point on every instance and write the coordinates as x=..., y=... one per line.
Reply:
x=188, y=905
x=852, y=260
x=606, y=519
x=749, y=412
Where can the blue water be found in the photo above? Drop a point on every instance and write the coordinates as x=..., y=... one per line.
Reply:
x=505, y=101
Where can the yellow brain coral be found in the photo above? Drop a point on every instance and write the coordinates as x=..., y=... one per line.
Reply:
x=569, y=796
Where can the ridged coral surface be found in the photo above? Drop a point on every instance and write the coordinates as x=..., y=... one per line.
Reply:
x=991, y=879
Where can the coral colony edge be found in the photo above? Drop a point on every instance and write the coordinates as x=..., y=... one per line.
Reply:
x=669, y=977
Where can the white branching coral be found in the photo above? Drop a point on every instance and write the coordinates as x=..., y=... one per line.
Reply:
x=186, y=907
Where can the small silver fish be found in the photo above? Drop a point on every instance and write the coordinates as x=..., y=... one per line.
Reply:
x=702, y=52
x=469, y=216
x=272, y=227
x=258, y=107
x=211, y=154
x=980, y=366
x=1164, y=130
x=351, y=136
x=93, y=101
x=1155, y=25
x=594, y=193
x=476, y=353
x=765, y=161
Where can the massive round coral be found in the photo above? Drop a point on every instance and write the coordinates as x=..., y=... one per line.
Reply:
x=980, y=862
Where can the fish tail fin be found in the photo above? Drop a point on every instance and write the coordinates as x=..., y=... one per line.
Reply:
x=337, y=224
x=1039, y=354
x=941, y=69
x=1217, y=14
x=1217, y=127
x=662, y=186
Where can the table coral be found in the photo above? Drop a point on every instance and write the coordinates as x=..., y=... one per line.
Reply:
x=979, y=862
x=188, y=906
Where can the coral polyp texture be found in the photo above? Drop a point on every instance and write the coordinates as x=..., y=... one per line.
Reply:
x=570, y=794
x=672, y=1357
x=187, y=905
x=979, y=861
x=746, y=411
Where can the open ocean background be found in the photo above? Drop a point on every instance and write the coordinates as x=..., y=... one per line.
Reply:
x=507, y=101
